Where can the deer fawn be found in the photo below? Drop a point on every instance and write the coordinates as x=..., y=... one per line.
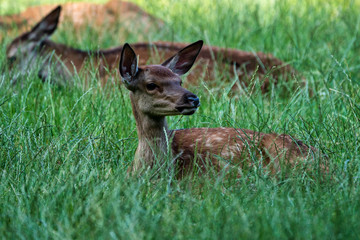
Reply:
x=65, y=61
x=156, y=92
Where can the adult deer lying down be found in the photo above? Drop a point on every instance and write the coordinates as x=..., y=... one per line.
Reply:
x=84, y=14
x=66, y=61
x=156, y=92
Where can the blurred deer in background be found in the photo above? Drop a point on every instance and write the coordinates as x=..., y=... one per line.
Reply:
x=34, y=46
x=82, y=15
x=156, y=92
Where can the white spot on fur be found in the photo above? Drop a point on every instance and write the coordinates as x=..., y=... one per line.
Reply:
x=208, y=145
x=219, y=139
x=234, y=148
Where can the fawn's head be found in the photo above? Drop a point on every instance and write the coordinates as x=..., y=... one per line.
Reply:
x=156, y=89
x=23, y=49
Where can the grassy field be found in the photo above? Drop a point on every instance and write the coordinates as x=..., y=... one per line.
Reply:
x=64, y=151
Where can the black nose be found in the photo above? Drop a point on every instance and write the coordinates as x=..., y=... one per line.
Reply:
x=194, y=100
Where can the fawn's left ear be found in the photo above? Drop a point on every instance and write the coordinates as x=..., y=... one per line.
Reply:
x=128, y=65
x=181, y=62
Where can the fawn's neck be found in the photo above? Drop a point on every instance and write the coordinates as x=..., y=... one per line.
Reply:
x=152, y=134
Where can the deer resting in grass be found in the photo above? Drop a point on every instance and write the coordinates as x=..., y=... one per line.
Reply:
x=156, y=92
x=64, y=61
x=83, y=14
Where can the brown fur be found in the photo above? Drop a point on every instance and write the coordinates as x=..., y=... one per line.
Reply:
x=234, y=147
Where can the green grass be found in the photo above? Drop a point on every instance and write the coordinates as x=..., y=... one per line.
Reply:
x=64, y=151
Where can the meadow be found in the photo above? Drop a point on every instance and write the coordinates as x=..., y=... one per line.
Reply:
x=64, y=151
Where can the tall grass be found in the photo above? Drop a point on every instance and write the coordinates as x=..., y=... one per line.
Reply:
x=64, y=151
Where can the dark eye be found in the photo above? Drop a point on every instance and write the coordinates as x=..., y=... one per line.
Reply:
x=151, y=86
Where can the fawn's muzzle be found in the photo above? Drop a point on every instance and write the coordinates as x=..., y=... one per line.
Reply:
x=194, y=100
x=11, y=61
x=190, y=104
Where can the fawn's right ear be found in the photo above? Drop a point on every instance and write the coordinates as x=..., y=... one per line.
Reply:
x=128, y=65
x=46, y=26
